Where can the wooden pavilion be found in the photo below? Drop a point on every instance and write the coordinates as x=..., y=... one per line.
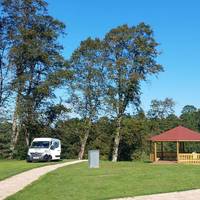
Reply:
x=179, y=135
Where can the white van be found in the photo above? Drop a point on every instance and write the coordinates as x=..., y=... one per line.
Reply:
x=44, y=149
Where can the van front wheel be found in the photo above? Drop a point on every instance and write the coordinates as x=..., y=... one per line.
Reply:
x=47, y=158
x=50, y=158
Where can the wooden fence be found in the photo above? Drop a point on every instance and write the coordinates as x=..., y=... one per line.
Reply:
x=189, y=158
x=193, y=158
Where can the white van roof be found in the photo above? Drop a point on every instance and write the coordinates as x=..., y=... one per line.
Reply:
x=44, y=139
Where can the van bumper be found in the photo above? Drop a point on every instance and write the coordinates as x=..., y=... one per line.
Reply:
x=44, y=157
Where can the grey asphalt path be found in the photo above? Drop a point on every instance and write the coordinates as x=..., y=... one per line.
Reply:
x=16, y=183
x=185, y=195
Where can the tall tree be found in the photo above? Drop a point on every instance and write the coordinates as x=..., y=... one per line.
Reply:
x=86, y=87
x=160, y=109
x=188, y=109
x=5, y=76
x=35, y=57
x=130, y=56
x=190, y=117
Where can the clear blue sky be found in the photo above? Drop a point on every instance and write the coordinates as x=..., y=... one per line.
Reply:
x=176, y=24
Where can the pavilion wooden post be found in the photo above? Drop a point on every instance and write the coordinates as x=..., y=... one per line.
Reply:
x=177, y=150
x=161, y=150
x=155, y=151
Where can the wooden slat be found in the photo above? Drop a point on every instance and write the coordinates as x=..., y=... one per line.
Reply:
x=177, y=151
x=190, y=158
x=155, y=151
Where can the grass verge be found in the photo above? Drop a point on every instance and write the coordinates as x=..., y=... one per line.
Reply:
x=12, y=167
x=111, y=180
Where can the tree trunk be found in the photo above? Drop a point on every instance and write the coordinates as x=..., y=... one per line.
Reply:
x=117, y=140
x=15, y=128
x=84, y=141
x=27, y=136
x=83, y=144
x=15, y=132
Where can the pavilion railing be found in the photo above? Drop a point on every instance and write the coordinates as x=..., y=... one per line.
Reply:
x=193, y=158
x=189, y=158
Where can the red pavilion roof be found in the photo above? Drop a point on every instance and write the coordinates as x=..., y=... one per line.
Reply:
x=179, y=133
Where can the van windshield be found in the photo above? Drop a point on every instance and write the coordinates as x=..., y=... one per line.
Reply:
x=40, y=144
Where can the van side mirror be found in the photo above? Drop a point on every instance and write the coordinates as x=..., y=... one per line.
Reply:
x=52, y=147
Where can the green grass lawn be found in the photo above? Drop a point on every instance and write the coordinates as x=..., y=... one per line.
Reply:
x=110, y=181
x=11, y=167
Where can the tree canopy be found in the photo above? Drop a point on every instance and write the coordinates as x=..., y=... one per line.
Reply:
x=130, y=57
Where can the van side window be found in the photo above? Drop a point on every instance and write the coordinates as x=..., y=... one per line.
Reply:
x=56, y=144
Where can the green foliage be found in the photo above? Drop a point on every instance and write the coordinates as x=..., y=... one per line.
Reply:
x=86, y=87
x=69, y=132
x=130, y=54
x=5, y=89
x=133, y=145
x=53, y=112
x=191, y=119
x=134, y=138
x=72, y=131
x=102, y=137
x=21, y=148
x=188, y=109
x=5, y=137
x=161, y=109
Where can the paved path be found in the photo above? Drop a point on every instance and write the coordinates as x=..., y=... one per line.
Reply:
x=16, y=183
x=185, y=195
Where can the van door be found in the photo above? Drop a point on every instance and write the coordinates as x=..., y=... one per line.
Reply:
x=55, y=149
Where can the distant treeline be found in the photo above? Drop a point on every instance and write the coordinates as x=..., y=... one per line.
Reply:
x=134, y=144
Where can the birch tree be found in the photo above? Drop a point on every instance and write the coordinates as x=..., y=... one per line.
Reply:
x=130, y=57
x=86, y=86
